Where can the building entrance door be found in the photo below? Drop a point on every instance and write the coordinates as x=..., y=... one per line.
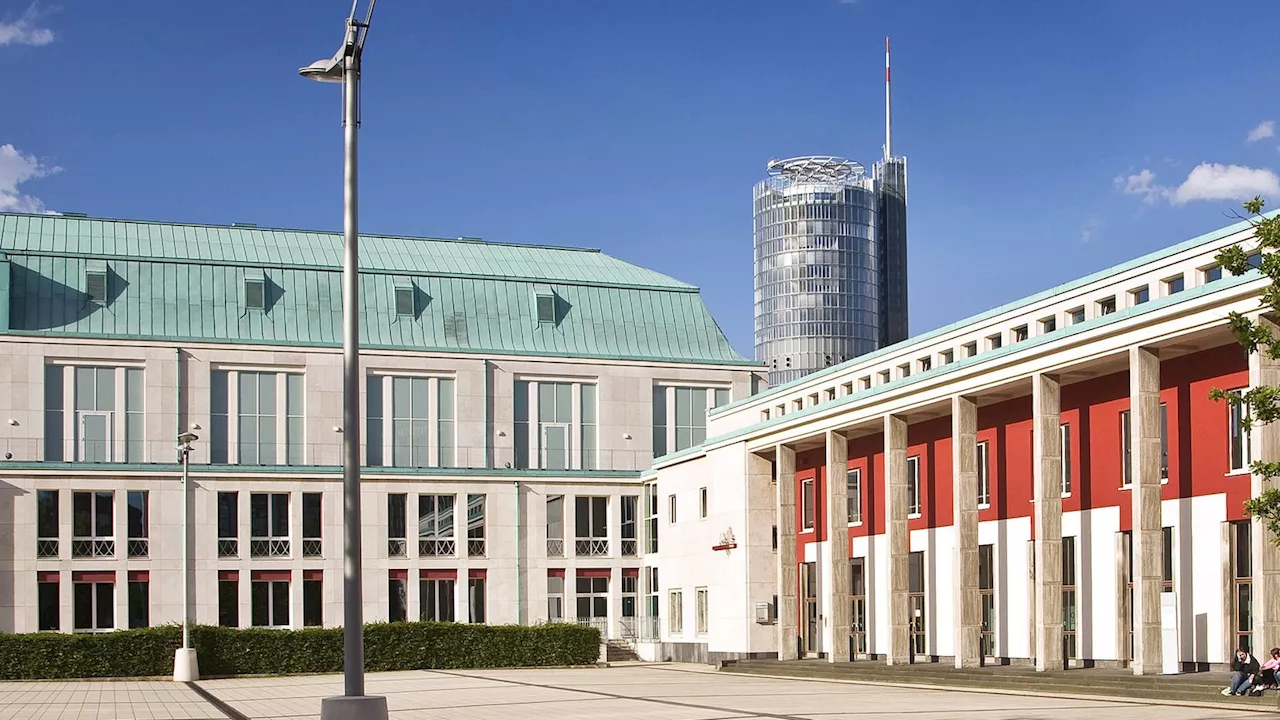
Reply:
x=810, y=619
x=915, y=598
x=858, y=610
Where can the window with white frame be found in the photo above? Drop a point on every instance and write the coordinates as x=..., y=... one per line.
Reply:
x=48, y=524
x=925, y=364
x=555, y=526
x=864, y=382
x=418, y=430
x=1139, y=296
x=1106, y=305
x=628, y=530
x=228, y=524
x=93, y=524
x=591, y=526
x=1174, y=285
x=1048, y=325
x=475, y=525
x=885, y=377
x=1241, y=455
x=397, y=525
x=970, y=349
x=700, y=610
x=651, y=591
x=680, y=415
x=1075, y=316
x=592, y=600
x=94, y=598
x=555, y=596
x=913, y=486
x=650, y=517
x=813, y=400
x=829, y=394
x=904, y=370
x=671, y=509
x=1065, y=432
x=995, y=342
x=257, y=417
x=312, y=522
x=675, y=612
x=806, y=505
x=946, y=357
x=268, y=525
x=984, y=476
x=435, y=526
x=702, y=503
x=269, y=600
x=853, y=490
x=555, y=425
x=1021, y=333
x=94, y=414
x=435, y=595
x=139, y=520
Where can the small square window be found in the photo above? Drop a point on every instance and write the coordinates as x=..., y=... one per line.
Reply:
x=95, y=282
x=830, y=394
x=1020, y=333
x=994, y=342
x=405, y=301
x=926, y=364
x=1107, y=305
x=885, y=377
x=546, y=308
x=847, y=388
x=1174, y=285
x=1048, y=325
x=764, y=414
x=255, y=291
x=1213, y=273
x=1076, y=316
x=904, y=370
x=864, y=383
x=813, y=400
x=947, y=356
x=781, y=410
x=1139, y=296
x=971, y=349
x=797, y=405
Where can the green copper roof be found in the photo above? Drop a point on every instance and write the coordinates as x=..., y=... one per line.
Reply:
x=186, y=283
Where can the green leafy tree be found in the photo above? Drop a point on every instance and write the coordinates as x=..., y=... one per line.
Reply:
x=1261, y=404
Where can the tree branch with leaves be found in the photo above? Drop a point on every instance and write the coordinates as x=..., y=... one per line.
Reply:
x=1260, y=405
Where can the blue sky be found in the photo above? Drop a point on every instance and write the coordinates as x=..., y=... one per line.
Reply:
x=1045, y=141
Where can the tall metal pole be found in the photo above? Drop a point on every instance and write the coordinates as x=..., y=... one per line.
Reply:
x=352, y=597
x=186, y=550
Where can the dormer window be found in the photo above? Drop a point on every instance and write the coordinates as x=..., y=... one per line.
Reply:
x=405, y=305
x=255, y=290
x=95, y=282
x=545, y=301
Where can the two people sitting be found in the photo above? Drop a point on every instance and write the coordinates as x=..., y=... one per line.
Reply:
x=1249, y=677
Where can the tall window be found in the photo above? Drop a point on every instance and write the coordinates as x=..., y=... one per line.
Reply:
x=555, y=526
x=552, y=432
x=312, y=598
x=475, y=599
x=1069, y=617
x=229, y=601
x=1241, y=456
x=858, y=609
x=651, y=591
x=984, y=476
x=267, y=411
x=1065, y=434
x=701, y=610
x=592, y=597
x=555, y=597
x=269, y=601
x=435, y=526
x=89, y=416
x=312, y=522
x=397, y=597
x=680, y=415
x=436, y=599
x=48, y=603
x=675, y=612
x=1164, y=441
x=269, y=525
x=913, y=486
x=139, y=520
x=915, y=597
x=47, y=523
x=591, y=520
x=419, y=429
x=630, y=589
x=1167, y=563
x=1126, y=448
x=139, y=601
x=806, y=505
x=1242, y=581
x=853, y=488
x=92, y=524
x=397, y=509
x=987, y=591
x=651, y=518
x=702, y=503
x=228, y=524
x=95, y=602
x=628, y=529
x=475, y=525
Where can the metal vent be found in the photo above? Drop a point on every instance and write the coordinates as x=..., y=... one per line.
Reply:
x=255, y=293
x=404, y=301
x=95, y=286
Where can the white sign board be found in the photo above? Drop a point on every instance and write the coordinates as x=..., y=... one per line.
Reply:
x=1169, y=643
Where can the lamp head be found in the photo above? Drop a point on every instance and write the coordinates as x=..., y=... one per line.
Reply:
x=187, y=438
x=329, y=70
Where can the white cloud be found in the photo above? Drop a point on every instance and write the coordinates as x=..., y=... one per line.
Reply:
x=1214, y=181
x=1143, y=183
x=15, y=169
x=24, y=30
x=1265, y=129
x=1206, y=181
x=1090, y=231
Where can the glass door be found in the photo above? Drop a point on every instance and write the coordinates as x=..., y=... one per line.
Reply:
x=915, y=598
x=555, y=446
x=987, y=591
x=809, y=605
x=858, y=615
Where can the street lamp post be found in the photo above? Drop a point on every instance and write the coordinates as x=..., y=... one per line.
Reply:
x=344, y=67
x=185, y=666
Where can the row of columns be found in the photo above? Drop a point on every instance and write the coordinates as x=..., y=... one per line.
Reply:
x=1147, y=524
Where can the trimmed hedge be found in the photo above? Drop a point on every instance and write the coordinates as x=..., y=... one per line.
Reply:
x=256, y=651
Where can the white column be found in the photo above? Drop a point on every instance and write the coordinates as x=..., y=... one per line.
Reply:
x=895, y=483
x=964, y=465
x=1265, y=442
x=788, y=609
x=1047, y=470
x=835, y=570
x=1148, y=538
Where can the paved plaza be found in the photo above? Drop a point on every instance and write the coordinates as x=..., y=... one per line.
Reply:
x=640, y=692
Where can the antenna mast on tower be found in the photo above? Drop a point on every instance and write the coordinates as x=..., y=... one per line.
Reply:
x=888, y=127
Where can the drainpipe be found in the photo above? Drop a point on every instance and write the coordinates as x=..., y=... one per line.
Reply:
x=520, y=614
x=488, y=460
x=177, y=396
